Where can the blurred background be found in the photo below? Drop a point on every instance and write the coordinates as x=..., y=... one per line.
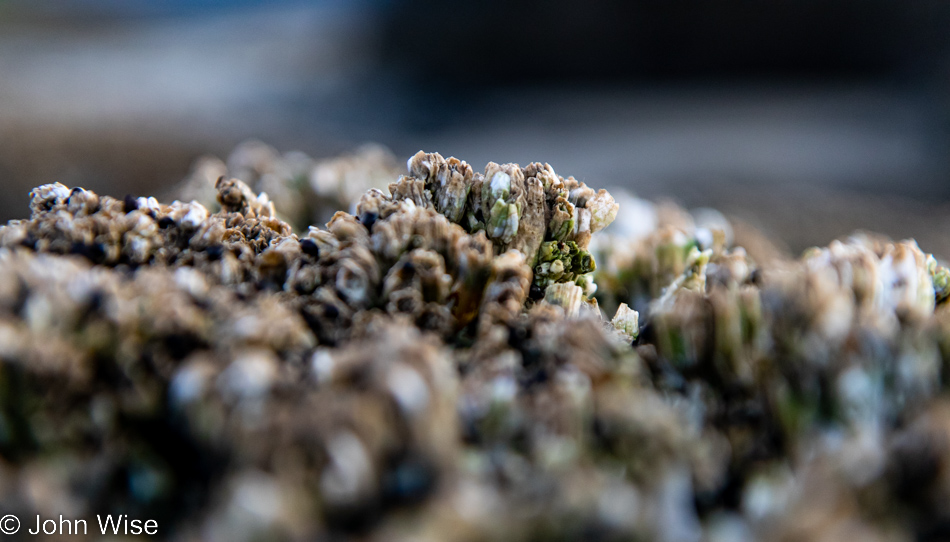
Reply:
x=806, y=118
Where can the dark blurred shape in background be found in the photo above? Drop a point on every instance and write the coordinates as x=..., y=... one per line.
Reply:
x=809, y=118
x=548, y=41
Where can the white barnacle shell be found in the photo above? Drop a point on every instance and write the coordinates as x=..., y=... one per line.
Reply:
x=188, y=215
x=249, y=376
x=191, y=281
x=603, y=210
x=263, y=206
x=500, y=184
x=148, y=204
x=349, y=475
x=190, y=381
x=322, y=364
x=408, y=388
x=566, y=295
x=627, y=321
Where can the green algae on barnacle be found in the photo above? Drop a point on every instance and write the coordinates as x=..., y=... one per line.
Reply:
x=547, y=218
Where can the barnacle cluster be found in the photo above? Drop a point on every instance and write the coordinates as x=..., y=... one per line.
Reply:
x=432, y=365
x=543, y=216
x=304, y=190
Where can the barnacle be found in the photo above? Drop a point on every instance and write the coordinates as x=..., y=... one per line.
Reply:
x=304, y=190
x=627, y=321
x=432, y=364
x=532, y=210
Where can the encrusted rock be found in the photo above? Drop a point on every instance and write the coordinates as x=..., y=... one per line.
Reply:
x=431, y=364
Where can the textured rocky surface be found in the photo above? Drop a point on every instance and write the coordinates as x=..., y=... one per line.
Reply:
x=449, y=362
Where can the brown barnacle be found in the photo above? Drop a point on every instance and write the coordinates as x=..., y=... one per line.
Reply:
x=470, y=260
x=303, y=277
x=694, y=278
x=404, y=301
x=550, y=182
x=323, y=240
x=421, y=270
x=374, y=205
x=264, y=207
x=82, y=202
x=327, y=314
x=233, y=195
x=465, y=258
x=406, y=402
x=437, y=318
x=48, y=197
x=448, y=180
x=208, y=236
x=355, y=274
x=851, y=265
x=412, y=227
x=272, y=265
x=433, y=231
x=392, y=237
x=507, y=288
x=531, y=230
x=261, y=233
x=453, y=185
x=347, y=229
x=473, y=219
x=141, y=236
x=645, y=432
x=426, y=166
x=412, y=189
x=502, y=201
x=236, y=197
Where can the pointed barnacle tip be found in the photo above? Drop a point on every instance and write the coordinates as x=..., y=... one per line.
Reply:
x=627, y=321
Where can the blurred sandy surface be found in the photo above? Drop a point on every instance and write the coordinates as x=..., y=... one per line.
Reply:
x=125, y=108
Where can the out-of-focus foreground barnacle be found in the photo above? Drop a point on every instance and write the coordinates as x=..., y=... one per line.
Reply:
x=439, y=363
